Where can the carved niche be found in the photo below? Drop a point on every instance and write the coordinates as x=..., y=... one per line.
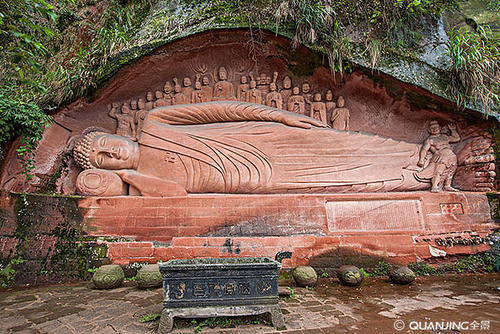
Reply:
x=250, y=124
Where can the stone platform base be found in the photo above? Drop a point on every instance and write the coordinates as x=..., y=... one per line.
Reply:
x=404, y=227
x=168, y=314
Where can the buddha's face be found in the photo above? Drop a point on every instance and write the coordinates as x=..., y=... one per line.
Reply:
x=113, y=152
x=287, y=83
x=222, y=74
x=306, y=88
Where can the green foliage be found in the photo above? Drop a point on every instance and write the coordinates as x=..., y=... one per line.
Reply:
x=149, y=317
x=292, y=293
x=365, y=274
x=222, y=322
x=423, y=269
x=475, y=66
x=8, y=273
x=380, y=269
x=476, y=263
x=324, y=273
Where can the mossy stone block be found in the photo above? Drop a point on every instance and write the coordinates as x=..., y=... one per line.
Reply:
x=305, y=276
x=109, y=276
x=350, y=275
x=149, y=276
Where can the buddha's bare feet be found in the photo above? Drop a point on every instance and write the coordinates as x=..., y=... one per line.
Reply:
x=449, y=188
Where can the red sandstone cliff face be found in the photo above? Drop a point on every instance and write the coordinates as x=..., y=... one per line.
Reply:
x=377, y=104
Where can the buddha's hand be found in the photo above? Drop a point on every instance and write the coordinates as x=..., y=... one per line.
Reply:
x=301, y=121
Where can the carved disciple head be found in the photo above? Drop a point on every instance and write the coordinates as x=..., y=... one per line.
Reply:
x=340, y=102
x=133, y=104
x=272, y=87
x=205, y=81
x=296, y=90
x=141, y=105
x=126, y=108
x=287, y=82
x=329, y=95
x=197, y=85
x=167, y=88
x=158, y=95
x=434, y=128
x=222, y=73
x=253, y=84
x=243, y=79
x=317, y=97
x=187, y=82
x=106, y=151
x=150, y=96
x=306, y=88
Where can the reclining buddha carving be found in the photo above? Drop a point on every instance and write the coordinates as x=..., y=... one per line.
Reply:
x=238, y=147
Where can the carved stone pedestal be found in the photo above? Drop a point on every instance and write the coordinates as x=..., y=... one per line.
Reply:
x=168, y=314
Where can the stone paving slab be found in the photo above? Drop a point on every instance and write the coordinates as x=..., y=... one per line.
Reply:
x=329, y=308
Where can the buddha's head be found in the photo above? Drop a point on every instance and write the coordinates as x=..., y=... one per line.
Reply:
x=340, y=102
x=222, y=73
x=296, y=90
x=434, y=128
x=287, y=82
x=102, y=150
x=306, y=88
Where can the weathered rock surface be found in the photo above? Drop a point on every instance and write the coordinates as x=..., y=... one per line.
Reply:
x=109, y=276
x=305, y=276
x=350, y=275
x=401, y=275
x=149, y=276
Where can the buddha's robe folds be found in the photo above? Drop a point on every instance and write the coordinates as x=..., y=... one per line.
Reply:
x=233, y=147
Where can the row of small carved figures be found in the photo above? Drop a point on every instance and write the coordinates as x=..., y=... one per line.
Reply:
x=459, y=241
x=286, y=98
